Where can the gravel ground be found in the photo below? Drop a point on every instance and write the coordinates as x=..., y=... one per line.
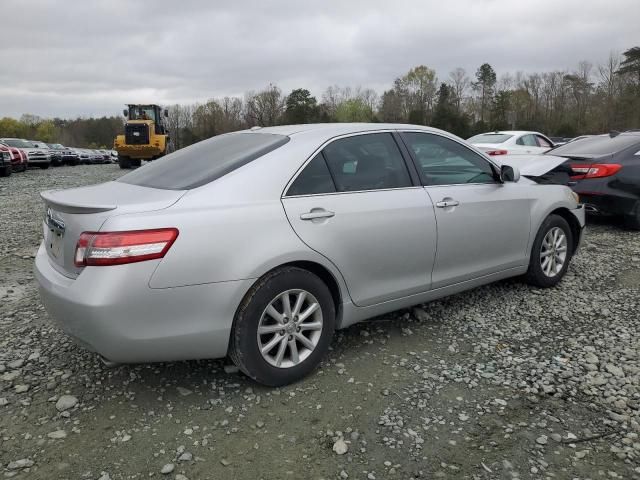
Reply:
x=504, y=381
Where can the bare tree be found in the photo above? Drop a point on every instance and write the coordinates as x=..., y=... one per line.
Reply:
x=460, y=84
x=266, y=107
x=609, y=85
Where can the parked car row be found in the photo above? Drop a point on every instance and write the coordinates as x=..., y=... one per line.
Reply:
x=17, y=154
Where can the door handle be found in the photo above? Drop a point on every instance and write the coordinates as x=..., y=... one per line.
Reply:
x=447, y=203
x=316, y=213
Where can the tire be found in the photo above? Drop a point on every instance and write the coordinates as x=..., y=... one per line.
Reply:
x=245, y=344
x=545, y=273
x=6, y=171
x=632, y=221
x=124, y=162
x=136, y=163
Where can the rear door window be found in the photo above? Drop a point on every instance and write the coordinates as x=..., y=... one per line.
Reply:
x=314, y=179
x=527, y=141
x=366, y=162
x=205, y=161
x=542, y=142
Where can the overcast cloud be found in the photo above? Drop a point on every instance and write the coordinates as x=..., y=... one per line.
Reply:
x=88, y=58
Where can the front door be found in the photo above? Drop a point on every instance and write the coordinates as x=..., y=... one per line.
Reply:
x=483, y=225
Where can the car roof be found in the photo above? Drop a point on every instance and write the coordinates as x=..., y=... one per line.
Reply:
x=512, y=132
x=334, y=129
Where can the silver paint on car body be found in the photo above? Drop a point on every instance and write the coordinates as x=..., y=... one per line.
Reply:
x=382, y=247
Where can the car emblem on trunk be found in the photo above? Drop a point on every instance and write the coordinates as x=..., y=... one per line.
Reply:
x=54, y=223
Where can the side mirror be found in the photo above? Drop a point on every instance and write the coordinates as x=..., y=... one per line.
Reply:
x=509, y=173
x=125, y=112
x=166, y=113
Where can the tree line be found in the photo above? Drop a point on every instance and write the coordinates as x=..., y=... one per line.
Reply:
x=585, y=100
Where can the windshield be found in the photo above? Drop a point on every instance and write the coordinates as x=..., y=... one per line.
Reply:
x=596, y=146
x=205, y=161
x=142, y=112
x=490, y=138
x=55, y=146
x=17, y=142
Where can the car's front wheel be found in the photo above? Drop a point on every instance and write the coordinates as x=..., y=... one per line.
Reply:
x=124, y=161
x=551, y=252
x=6, y=171
x=283, y=327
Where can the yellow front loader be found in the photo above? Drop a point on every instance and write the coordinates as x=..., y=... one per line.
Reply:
x=145, y=135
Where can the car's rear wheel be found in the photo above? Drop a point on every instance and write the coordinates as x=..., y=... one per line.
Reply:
x=633, y=220
x=6, y=171
x=551, y=252
x=283, y=327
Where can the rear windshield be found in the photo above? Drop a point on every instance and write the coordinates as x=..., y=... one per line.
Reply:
x=490, y=138
x=205, y=161
x=596, y=146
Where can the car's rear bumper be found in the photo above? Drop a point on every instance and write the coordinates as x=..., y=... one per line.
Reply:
x=608, y=204
x=114, y=312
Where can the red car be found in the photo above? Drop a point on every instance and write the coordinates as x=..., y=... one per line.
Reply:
x=19, y=158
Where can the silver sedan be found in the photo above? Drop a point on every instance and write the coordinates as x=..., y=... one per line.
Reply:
x=259, y=244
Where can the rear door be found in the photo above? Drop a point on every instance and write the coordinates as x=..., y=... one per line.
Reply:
x=483, y=225
x=354, y=203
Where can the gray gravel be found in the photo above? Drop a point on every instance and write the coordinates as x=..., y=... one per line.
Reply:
x=504, y=381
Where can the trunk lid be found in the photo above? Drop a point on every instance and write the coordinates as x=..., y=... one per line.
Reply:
x=540, y=168
x=68, y=213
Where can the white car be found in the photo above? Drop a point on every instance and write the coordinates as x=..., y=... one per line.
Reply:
x=511, y=142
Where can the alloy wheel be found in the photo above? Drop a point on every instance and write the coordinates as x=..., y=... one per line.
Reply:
x=553, y=252
x=290, y=328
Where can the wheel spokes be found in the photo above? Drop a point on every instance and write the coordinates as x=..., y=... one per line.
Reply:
x=264, y=329
x=310, y=326
x=293, y=347
x=310, y=309
x=286, y=304
x=305, y=341
x=281, y=349
x=279, y=332
x=299, y=301
x=275, y=314
x=272, y=343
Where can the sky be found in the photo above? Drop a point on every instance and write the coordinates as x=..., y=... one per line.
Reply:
x=89, y=57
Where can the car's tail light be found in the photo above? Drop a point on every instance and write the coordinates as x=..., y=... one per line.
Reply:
x=496, y=152
x=595, y=170
x=118, y=248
